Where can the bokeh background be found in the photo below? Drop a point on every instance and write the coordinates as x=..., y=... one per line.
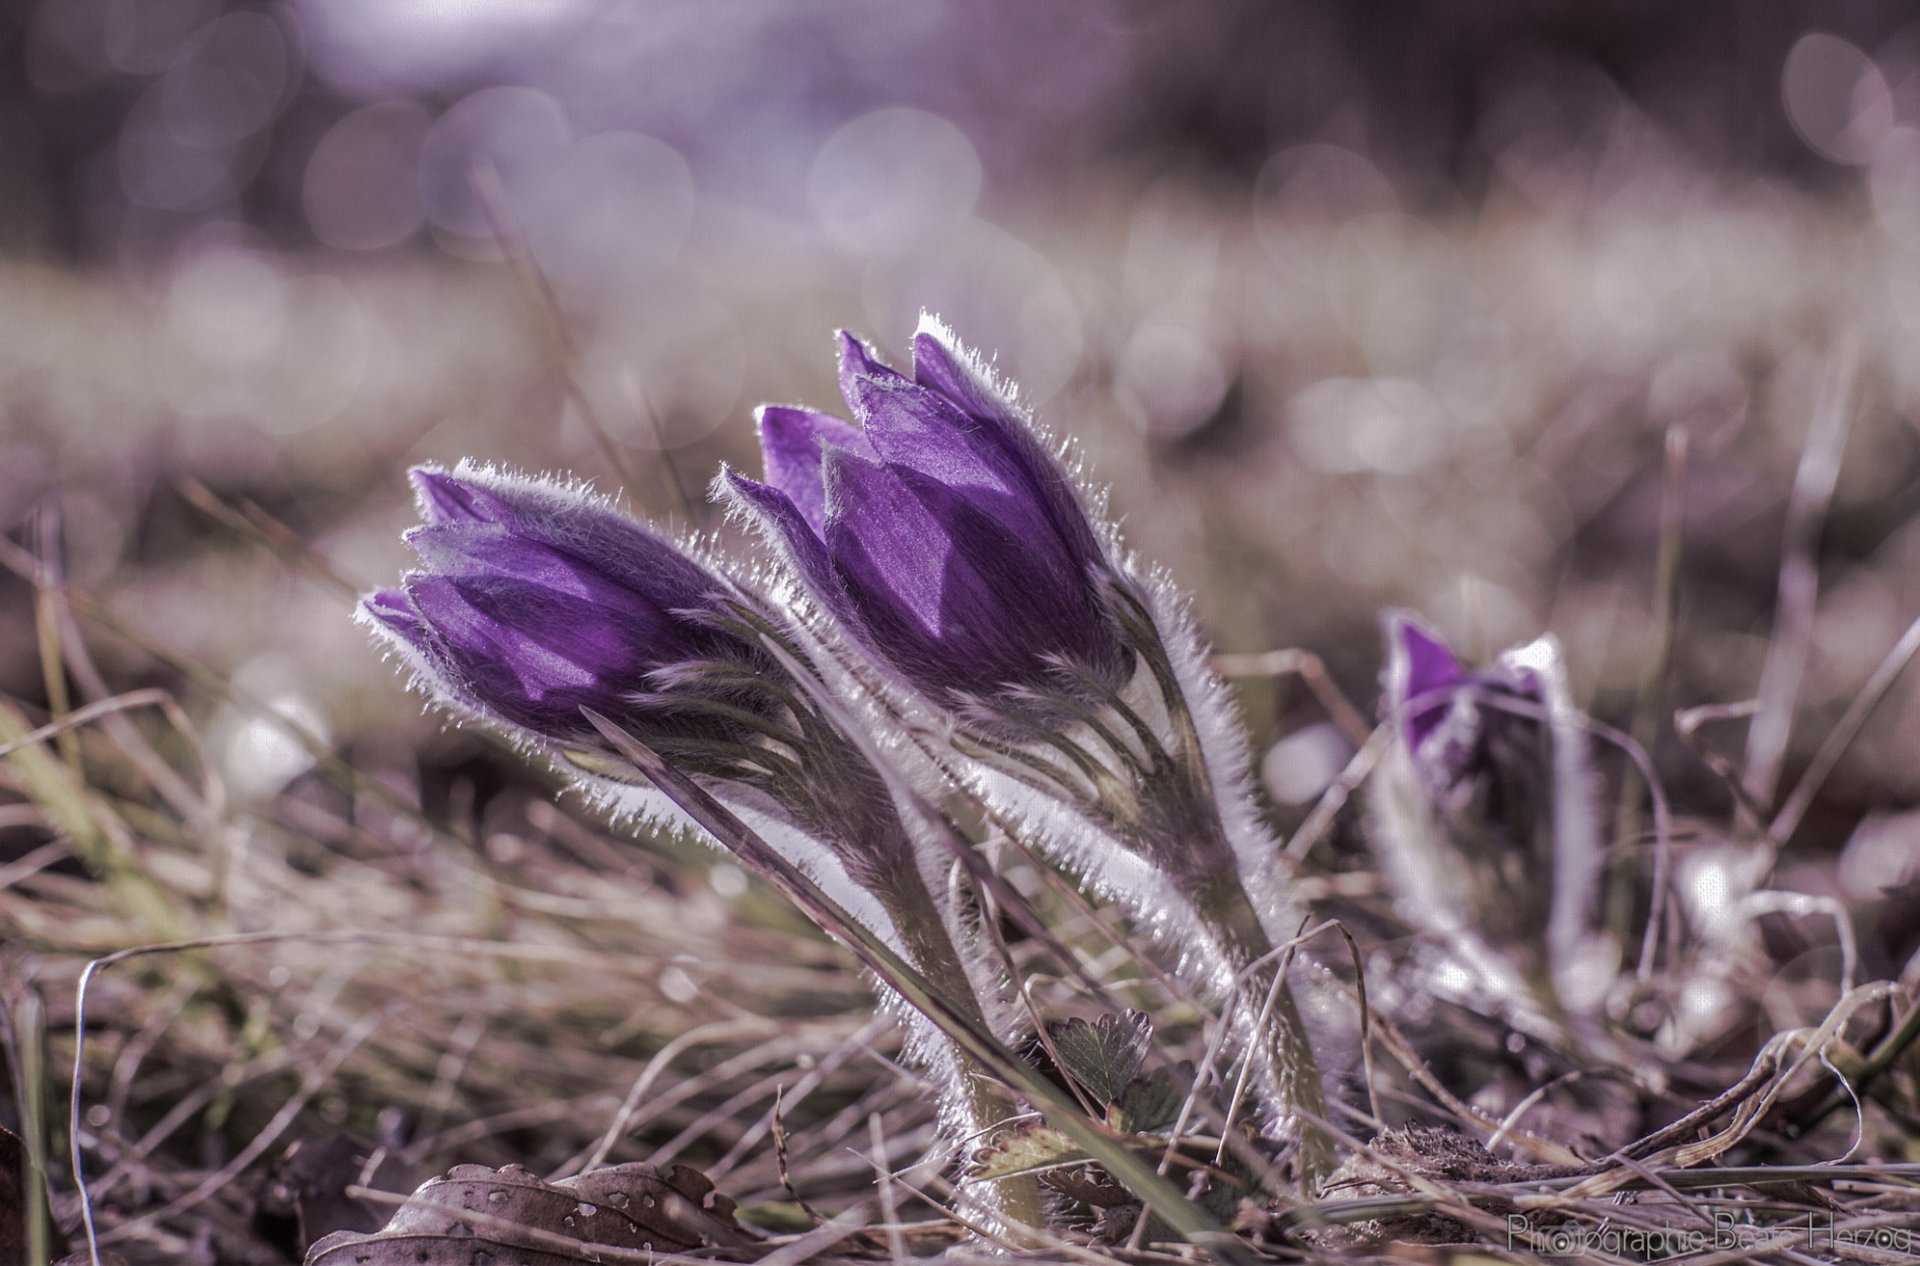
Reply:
x=1353, y=306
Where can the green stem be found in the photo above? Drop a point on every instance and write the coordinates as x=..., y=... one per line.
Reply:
x=1017, y=1199
x=1229, y=913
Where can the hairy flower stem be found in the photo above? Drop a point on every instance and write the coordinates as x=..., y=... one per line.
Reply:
x=1217, y=890
x=1284, y=1046
x=1016, y=1200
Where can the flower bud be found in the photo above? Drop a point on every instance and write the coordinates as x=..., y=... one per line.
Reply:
x=941, y=534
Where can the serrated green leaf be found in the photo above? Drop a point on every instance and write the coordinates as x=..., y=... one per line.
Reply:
x=1150, y=1104
x=1035, y=1145
x=1102, y=1057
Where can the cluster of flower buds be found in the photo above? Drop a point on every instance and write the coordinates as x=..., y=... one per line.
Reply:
x=1483, y=819
x=951, y=611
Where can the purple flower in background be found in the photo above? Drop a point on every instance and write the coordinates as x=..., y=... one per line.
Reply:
x=1483, y=815
x=1450, y=729
x=1429, y=668
x=940, y=532
x=533, y=600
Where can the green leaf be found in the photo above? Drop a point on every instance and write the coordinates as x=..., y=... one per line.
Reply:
x=1104, y=1056
x=1151, y=1104
x=1034, y=1145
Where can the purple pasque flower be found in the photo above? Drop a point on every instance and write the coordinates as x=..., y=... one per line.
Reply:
x=940, y=532
x=1451, y=721
x=1483, y=812
x=953, y=549
x=534, y=599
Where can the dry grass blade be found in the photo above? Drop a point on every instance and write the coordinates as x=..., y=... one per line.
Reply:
x=1878, y=1061
x=414, y=943
x=1311, y=669
x=1781, y=829
x=1651, y=693
x=1335, y=798
x=1799, y=577
x=658, y=1064
x=150, y=698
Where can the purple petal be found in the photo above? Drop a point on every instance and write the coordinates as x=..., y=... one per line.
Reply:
x=886, y=540
x=392, y=608
x=793, y=441
x=401, y=625
x=777, y=515
x=998, y=464
x=553, y=599
x=947, y=369
x=1004, y=439
x=569, y=522
x=1423, y=665
x=535, y=655
x=488, y=648
x=954, y=599
x=463, y=550
x=1431, y=663
x=910, y=426
x=857, y=361
x=446, y=497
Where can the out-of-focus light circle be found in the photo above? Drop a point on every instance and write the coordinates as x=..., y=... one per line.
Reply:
x=892, y=179
x=65, y=45
x=259, y=755
x=228, y=304
x=329, y=326
x=1642, y=269
x=608, y=207
x=513, y=132
x=1312, y=185
x=144, y=37
x=1174, y=371
x=1327, y=181
x=1300, y=767
x=676, y=985
x=1380, y=425
x=1883, y=853
x=228, y=82
x=1492, y=613
x=1703, y=389
x=157, y=171
x=359, y=192
x=374, y=48
x=728, y=881
x=1836, y=98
